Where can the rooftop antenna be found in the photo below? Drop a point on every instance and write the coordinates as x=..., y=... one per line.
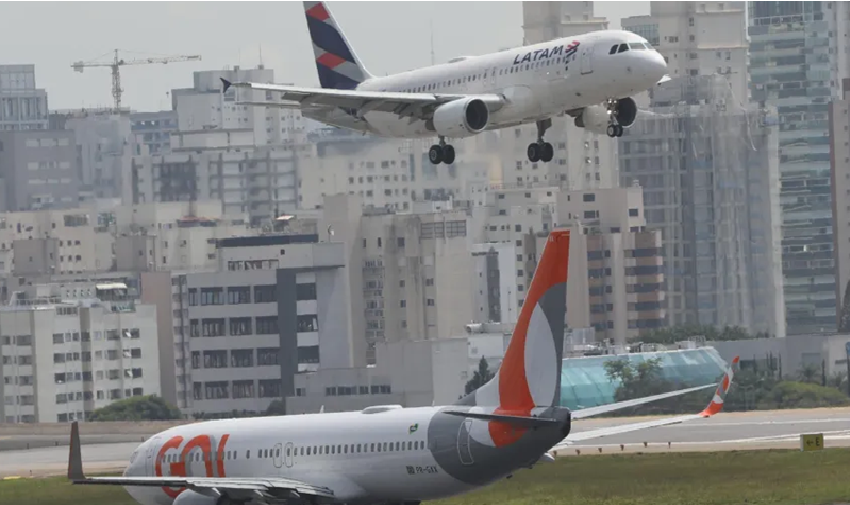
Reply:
x=433, y=61
x=261, y=56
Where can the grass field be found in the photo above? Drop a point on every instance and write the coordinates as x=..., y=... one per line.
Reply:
x=727, y=478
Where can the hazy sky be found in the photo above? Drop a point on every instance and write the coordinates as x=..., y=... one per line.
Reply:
x=387, y=36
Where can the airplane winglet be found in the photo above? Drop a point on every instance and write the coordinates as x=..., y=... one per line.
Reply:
x=225, y=84
x=75, y=456
x=716, y=404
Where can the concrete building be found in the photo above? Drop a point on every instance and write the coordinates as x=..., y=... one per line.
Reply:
x=394, y=173
x=221, y=165
x=40, y=169
x=544, y=21
x=152, y=130
x=103, y=142
x=788, y=356
x=710, y=177
x=798, y=57
x=205, y=107
x=839, y=148
x=616, y=275
x=583, y=160
x=699, y=38
x=22, y=105
x=410, y=374
x=176, y=236
x=63, y=359
x=415, y=269
x=286, y=299
x=494, y=281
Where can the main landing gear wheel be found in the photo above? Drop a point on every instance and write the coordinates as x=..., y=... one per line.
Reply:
x=614, y=130
x=541, y=150
x=441, y=153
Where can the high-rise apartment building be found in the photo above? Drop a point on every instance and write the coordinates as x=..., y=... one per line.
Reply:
x=839, y=144
x=22, y=105
x=798, y=56
x=63, y=359
x=544, y=21
x=699, y=38
x=710, y=177
x=40, y=169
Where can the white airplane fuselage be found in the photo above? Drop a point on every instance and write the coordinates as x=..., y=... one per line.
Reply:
x=539, y=81
x=384, y=456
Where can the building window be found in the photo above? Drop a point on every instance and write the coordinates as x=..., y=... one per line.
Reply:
x=239, y=295
x=265, y=293
x=268, y=356
x=240, y=326
x=267, y=325
x=212, y=296
x=212, y=327
x=308, y=323
x=242, y=358
x=305, y=291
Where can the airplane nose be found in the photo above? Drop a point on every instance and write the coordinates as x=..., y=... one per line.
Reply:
x=656, y=67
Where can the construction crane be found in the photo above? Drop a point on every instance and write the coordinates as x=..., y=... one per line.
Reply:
x=117, y=62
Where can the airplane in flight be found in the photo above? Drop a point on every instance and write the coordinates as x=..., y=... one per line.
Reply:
x=388, y=454
x=590, y=77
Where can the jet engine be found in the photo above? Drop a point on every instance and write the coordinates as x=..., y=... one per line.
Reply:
x=460, y=118
x=595, y=117
x=189, y=497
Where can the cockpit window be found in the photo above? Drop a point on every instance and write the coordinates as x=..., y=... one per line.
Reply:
x=613, y=49
x=623, y=48
x=637, y=46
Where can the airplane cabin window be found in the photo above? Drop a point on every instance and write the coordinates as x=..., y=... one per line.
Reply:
x=277, y=453
x=623, y=48
x=358, y=447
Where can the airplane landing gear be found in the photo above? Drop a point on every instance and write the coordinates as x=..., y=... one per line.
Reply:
x=441, y=153
x=541, y=150
x=614, y=128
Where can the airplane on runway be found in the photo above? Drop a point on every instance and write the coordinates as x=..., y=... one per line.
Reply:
x=590, y=77
x=388, y=454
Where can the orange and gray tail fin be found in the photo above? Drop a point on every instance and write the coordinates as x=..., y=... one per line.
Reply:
x=530, y=374
x=722, y=390
x=338, y=66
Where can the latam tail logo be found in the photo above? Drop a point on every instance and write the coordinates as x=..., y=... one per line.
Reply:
x=337, y=66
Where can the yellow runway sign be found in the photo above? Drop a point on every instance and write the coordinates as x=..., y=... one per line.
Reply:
x=811, y=442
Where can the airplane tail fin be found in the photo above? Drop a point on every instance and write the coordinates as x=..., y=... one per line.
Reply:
x=530, y=374
x=338, y=66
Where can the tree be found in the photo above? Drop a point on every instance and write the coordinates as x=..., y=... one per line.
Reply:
x=800, y=395
x=681, y=333
x=480, y=377
x=810, y=374
x=137, y=408
x=844, y=320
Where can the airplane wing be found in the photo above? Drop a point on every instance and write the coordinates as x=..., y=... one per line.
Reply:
x=412, y=105
x=256, y=490
x=714, y=406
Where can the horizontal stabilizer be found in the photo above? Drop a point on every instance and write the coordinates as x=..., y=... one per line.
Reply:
x=527, y=422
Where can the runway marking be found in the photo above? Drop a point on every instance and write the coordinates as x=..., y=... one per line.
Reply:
x=765, y=423
x=834, y=435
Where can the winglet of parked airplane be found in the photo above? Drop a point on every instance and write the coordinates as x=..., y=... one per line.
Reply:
x=716, y=404
x=225, y=84
x=663, y=80
x=75, y=456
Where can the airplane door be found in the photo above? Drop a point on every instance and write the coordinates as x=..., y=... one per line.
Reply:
x=464, y=450
x=587, y=59
x=277, y=455
x=288, y=454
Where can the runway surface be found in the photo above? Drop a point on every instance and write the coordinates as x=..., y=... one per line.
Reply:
x=726, y=431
